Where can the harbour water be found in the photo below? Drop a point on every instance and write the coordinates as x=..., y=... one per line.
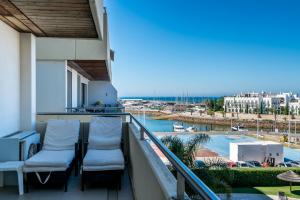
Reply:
x=218, y=143
x=173, y=99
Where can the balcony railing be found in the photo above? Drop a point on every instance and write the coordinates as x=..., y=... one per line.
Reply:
x=96, y=109
x=184, y=174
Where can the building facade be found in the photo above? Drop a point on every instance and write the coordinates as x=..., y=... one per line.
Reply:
x=49, y=65
x=262, y=103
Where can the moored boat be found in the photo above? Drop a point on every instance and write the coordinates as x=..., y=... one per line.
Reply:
x=239, y=128
x=191, y=129
x=178, y=128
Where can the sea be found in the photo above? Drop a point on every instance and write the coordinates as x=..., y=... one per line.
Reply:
x=189, y=99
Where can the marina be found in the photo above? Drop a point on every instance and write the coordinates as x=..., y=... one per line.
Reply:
x=219, y=140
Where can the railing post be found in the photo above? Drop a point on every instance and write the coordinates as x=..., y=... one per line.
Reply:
x=180, y=186
x=142, y=136
x=130, y=119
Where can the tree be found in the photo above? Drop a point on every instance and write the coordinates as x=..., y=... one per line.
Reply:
x=261, y=108
x=211, y=112
x=219, y=104
x=215, y=104
x=286, y=110
x=185, y=151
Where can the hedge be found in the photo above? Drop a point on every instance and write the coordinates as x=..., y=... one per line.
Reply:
x=245, y=177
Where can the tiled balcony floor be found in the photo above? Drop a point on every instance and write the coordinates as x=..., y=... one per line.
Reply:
x=74, y=192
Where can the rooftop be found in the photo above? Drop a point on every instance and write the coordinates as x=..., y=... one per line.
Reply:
x=257, y=143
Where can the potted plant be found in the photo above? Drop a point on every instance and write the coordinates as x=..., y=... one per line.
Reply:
x=98, y=103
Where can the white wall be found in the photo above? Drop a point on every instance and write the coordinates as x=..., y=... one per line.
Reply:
x=9, y=80
x=28, y=81
x=51, y=86
x=97, y=12
x=102, y=90
x=258, y=152
x=151, y=179
x=70, y=49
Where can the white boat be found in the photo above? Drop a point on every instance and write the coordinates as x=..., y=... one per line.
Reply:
x=238, y=128
x=191, y=129
x=178, y=128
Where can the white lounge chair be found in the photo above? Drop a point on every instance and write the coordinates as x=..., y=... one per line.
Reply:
x=104, y=157
x=60, y=151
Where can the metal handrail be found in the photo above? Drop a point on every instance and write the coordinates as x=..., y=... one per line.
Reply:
x=180, y=167
x=183, y=172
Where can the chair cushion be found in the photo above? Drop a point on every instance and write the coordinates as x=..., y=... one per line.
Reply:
x=45, y=158
x=61, y=134
x=105, y=133
x=103, y=160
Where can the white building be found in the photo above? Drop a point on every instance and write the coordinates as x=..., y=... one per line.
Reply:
x=259, y=151
x=259, y=102
x=294, y=107
x=74, y=72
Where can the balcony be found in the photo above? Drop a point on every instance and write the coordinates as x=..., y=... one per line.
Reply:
x=145, y=177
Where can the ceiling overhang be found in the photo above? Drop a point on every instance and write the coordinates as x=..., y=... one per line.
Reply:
x=94, y=70
x=52, y=18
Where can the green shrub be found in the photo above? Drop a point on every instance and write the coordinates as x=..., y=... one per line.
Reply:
x=245, y=177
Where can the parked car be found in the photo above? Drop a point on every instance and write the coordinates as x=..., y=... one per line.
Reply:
x=199, y=163
x=231, y=164
x=284, y=164
x=242, y=164
x=254, y=163
x=295, y=163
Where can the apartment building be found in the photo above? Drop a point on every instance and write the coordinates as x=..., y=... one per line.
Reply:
x=261, y=102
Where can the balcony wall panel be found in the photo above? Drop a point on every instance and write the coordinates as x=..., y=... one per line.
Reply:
x=102, y=91
x=151, y=179
x=51, y=86
x=9, y=80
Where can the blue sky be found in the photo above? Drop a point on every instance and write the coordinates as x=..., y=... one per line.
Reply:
x=212, y=47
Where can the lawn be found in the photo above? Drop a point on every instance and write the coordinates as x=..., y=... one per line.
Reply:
x=270, y=190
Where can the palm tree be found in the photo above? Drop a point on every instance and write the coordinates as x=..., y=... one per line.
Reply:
x=185, y=151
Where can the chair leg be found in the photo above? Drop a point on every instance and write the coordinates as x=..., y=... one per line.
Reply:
x=76, y=168
x=66, y=181
x=26, y=183
x=66, y=186
x=82, y=181
x=120, y=182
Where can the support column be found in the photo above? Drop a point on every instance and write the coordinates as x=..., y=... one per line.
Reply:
x=27, y=81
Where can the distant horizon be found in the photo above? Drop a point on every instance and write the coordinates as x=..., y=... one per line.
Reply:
x=216, y=95
x=205, y=48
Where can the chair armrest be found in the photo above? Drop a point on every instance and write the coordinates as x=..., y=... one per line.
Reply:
x=33, y=149
x=122, y=145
